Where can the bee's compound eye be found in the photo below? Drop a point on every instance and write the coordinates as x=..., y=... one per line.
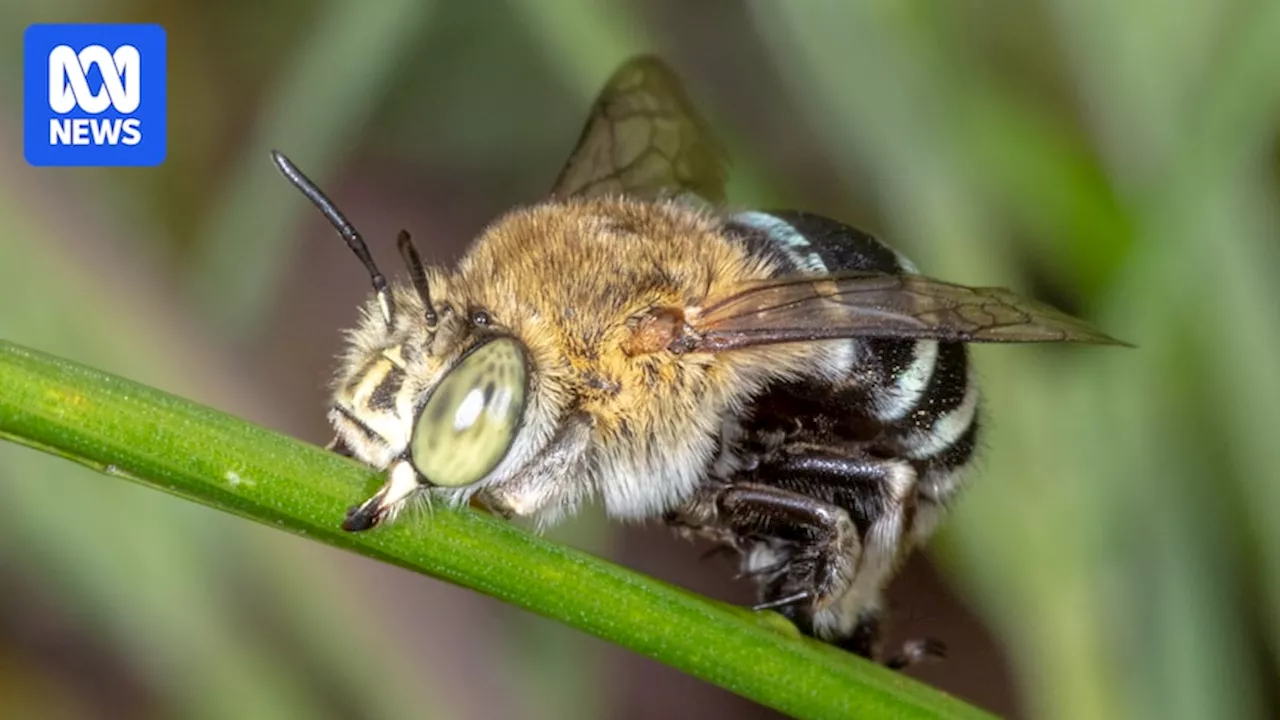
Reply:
x=471, y=418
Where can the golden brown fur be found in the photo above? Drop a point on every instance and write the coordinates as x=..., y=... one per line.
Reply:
x=574, y=281
x=575, y=278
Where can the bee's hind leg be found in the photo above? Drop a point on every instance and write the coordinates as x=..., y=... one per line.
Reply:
x=865, y=640
x=846, y=564
x=803, y=549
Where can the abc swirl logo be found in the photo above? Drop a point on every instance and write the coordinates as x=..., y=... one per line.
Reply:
x=94, y=95
x=69, y=89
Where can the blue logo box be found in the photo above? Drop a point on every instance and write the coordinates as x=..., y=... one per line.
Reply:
x=94, y=95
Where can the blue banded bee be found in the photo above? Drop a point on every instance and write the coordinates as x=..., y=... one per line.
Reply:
x=778, y=382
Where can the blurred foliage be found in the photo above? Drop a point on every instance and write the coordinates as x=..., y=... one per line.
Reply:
x=1118, y=159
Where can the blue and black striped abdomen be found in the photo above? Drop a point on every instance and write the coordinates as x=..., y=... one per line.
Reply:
x=918, y=396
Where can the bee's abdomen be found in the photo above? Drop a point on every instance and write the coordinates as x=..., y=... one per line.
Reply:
x=804, y=242
x=939, y=432
x=921, y=392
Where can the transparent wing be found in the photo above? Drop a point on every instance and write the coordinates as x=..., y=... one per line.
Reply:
x=850, y=305
x=644, y=138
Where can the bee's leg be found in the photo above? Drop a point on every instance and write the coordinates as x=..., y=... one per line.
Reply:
x=811, y=545
x=338, y=446
x=878, y=495
x=865, y=639
x=916, y=652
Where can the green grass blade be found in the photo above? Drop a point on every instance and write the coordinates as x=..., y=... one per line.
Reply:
x=132, y=431
x=137, y=573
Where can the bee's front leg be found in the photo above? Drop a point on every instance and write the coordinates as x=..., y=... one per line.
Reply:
x=339, y=446
x=551, y=485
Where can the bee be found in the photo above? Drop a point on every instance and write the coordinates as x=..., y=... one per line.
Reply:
x=780, y=383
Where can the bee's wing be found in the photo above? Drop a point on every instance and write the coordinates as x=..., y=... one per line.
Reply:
x=849, y=305
x=644, y=138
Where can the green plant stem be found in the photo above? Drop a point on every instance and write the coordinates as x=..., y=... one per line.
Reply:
x=125, y=429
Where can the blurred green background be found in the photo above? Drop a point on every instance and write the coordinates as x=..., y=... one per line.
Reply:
x=1117, y=556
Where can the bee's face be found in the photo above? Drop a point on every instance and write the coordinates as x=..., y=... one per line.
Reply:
x=449, y=404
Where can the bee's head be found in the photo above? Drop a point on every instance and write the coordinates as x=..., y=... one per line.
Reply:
x=443, y=417
x=439, y=393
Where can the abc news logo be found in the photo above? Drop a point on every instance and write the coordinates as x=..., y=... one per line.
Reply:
x=69, y=88
x=94, y=95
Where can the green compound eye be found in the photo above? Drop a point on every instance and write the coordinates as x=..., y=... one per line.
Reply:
x=470, y=420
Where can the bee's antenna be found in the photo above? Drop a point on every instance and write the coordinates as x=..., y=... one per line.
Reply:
x=344, y=228
x=417, y=273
